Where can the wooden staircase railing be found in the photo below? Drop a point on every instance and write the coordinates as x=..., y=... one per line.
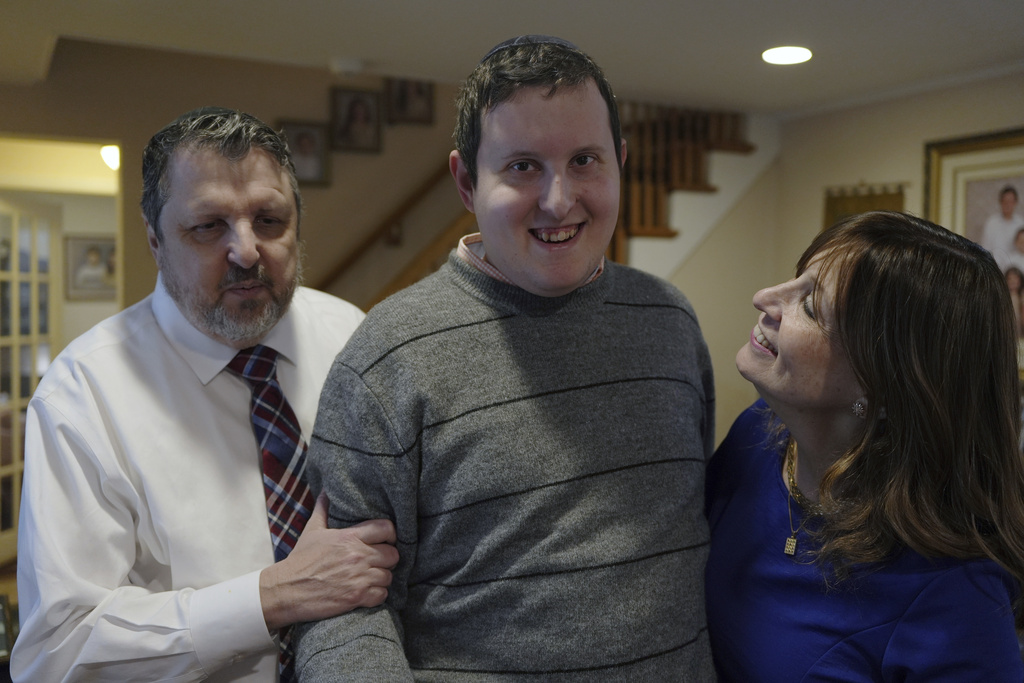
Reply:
x=668, y=151
x=387, y=228
x=431, y=258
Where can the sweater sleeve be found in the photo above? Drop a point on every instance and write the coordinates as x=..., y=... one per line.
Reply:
x=959, y=629
x=358, y=459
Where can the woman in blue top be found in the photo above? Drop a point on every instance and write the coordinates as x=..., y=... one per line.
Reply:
x=867, y=515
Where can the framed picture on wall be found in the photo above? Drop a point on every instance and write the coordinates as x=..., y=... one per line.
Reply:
x=7, y=635
x=410, y=101
x=965, y=181
x=355, y=120
x=89, y=268
x=309, y=145
x=973, y=186
x=841, y=202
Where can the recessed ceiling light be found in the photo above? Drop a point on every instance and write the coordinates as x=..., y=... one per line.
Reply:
x=786, y=55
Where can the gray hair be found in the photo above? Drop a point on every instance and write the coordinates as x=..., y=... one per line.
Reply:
x=231, y=133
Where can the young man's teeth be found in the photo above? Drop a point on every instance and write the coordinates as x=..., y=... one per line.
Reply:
x=560, y=236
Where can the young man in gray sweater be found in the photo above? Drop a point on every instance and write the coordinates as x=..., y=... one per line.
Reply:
x=534, y=419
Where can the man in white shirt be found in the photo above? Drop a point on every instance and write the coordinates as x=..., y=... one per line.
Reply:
x=144, y=546
x=1000, y=230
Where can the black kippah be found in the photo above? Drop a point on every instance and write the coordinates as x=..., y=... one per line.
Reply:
x=531, y=39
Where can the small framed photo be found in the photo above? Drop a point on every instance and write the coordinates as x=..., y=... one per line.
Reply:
x=89, y=268
x=410, y=101
x=6, y=626
x=355, y=120
x=309, y=144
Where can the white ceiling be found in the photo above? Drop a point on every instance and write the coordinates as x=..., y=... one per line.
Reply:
x=696, y=53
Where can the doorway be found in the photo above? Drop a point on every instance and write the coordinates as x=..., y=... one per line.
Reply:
x=55, y=196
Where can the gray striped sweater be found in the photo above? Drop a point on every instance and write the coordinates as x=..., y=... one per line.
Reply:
x=543, y=461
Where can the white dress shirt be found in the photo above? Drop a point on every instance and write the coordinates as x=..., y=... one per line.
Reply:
x=143, y=522
x=998, y=236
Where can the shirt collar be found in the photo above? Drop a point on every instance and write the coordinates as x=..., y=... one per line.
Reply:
x=207, y=356
x=471, y=250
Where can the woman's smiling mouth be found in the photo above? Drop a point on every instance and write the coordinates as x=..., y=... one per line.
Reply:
x=762, y=340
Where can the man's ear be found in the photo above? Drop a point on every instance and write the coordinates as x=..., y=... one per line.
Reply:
x=154, y=243
x=623, y=143
x=462, y=180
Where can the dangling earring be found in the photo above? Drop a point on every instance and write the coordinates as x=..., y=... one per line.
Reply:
x=860, y=408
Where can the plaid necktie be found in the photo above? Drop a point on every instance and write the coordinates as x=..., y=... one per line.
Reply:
x=277, y=431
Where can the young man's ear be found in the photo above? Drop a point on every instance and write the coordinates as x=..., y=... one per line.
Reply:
x=623, y=143
x=462, y=179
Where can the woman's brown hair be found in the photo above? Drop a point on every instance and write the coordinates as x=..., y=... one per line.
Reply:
x=925, y=318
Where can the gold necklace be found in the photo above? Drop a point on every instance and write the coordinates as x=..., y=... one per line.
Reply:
x=794, y=494
x=790, y=548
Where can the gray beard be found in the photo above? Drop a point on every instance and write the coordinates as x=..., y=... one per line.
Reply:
x=249, y=325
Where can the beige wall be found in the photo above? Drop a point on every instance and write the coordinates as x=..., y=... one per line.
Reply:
x=881, y=143
x=48, y=166
x=734, y=261
x=124, y=95
x=93, y=216
x=108, y=93
x=758, y=243
x=71, y=180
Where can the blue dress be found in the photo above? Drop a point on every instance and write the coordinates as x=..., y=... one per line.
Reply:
x=772, y=618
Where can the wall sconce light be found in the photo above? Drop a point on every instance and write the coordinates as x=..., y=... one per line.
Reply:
x=111, y=156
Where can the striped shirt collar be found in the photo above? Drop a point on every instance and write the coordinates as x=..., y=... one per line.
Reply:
x=471, y=250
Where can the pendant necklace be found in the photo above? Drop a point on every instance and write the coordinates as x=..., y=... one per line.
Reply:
x=791, y=541
x=793, y=492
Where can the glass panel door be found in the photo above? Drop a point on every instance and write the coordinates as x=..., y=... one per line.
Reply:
x=27, y=232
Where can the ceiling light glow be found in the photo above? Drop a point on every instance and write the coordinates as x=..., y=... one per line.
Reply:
x=786, y=55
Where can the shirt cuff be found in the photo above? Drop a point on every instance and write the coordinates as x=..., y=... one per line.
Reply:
x=227, y=622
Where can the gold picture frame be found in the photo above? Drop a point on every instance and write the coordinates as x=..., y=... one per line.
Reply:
x=90, y=270
x=309, y=143
x=963, y=178
x=409, y=101
x=355, y=120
